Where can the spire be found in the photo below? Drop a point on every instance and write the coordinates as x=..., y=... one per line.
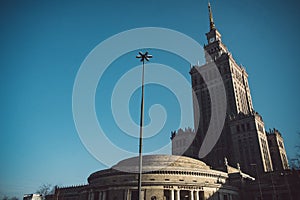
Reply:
x=211, y=19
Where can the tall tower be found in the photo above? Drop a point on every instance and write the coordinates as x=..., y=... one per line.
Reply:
x=239, y=110
x=277, y=150
x=235, y=77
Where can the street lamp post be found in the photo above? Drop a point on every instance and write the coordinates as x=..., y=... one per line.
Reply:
x=142, y=57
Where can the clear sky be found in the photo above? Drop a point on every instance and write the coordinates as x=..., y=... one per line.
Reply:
x=43, y=44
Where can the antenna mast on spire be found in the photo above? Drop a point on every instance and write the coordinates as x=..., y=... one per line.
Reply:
x=211, y=19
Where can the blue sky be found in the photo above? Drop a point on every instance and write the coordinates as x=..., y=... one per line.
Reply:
x=43, y=44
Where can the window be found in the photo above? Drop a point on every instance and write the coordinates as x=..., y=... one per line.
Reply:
x=237, y=128
x=243, y=127
x=248, y=126
x=280, y=144
x=225, y=197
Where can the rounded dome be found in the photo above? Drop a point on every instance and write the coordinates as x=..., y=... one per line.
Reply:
x=158, y=168
x=161, y=162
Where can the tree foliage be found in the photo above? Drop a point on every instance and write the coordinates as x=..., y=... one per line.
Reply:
x=45, y=189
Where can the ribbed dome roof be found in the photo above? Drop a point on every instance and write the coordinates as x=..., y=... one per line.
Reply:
x=161, y=162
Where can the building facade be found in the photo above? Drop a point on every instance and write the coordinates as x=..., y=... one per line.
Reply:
x=277, y=150
x=249, y=143
x=243, y=138
x=169, y=177
x=32, y=197
x=275, y=185
x=165, y=177
x=181, y=140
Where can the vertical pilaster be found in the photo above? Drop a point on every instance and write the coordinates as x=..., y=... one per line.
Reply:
x=126, y=194
x=196, y=195
x=191, y=195
x=177, y=194
x=104, y=195
x=92, y=195
x=172, y=194
x=100, y=195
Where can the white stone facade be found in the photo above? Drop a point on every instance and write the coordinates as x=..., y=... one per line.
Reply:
x=165, y=177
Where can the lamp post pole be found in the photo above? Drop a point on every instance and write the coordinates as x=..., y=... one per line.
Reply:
x=143, y=57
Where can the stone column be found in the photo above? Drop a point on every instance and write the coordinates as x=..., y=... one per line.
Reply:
x=91, y=195
x=177, y=194
x=191, y=195
x=196, y=195
x=100, y=195
x=126, y=194
x=172, y=194
x=104, y=195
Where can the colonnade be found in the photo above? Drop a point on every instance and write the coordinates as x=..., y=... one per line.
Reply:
x=102, y=195
x=175, y=194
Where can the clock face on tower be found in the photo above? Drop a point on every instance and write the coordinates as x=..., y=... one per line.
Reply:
x=211, y=40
